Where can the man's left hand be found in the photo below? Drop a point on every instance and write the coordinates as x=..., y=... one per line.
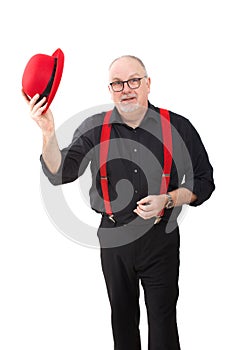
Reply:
x=150, y=206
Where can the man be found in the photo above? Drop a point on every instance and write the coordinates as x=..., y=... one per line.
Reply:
x=135, y=245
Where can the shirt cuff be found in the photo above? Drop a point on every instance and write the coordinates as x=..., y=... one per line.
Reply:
x=55, y=179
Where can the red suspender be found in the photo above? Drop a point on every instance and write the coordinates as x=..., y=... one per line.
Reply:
x=167, y=151
x=104, y=146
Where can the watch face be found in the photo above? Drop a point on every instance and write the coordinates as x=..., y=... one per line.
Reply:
x=170, y=204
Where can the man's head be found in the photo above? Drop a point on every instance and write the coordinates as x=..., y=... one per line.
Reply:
x=128, y=84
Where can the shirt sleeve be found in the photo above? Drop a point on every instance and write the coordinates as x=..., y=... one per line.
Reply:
x=198, y=170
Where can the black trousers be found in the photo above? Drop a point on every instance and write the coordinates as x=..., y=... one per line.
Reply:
x=152, y=259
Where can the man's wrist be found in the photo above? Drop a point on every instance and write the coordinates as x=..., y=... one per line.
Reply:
x=169, y=204
x=48, y=135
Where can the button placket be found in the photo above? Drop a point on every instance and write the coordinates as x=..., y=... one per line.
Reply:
x=135, y=159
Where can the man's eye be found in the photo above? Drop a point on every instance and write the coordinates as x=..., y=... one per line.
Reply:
x=134, y=80
x=117, y=83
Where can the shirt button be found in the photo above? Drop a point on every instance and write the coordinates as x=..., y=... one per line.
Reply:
x=135, y=191
x=135, y=170
x=135, y=150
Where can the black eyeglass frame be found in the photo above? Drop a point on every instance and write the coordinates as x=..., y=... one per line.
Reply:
x=127, y=82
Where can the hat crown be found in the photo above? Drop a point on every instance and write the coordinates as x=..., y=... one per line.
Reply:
x=37, y=74
x=42, y=75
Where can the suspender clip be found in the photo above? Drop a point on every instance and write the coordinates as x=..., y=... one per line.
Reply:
x=157, y=219
x=111, y=217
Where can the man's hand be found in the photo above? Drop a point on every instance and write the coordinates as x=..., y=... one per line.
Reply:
x=44, y=120
x=151, y=206
x=50, y=152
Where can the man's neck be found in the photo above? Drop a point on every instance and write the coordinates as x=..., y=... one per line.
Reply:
x=133, y=119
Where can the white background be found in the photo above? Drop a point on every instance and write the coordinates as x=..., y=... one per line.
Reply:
x=52, y=293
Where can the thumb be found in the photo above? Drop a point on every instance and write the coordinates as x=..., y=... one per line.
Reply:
x=144, y=200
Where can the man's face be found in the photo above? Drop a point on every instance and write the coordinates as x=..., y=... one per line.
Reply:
x=129, y=99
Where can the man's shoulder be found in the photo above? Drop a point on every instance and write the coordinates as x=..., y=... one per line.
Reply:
x=95, y=119
x=177, y=120
x=92, y=121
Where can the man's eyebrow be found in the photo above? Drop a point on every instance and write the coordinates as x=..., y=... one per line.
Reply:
x=131, y=76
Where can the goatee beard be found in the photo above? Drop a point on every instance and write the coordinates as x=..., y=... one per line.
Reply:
x=128, y=108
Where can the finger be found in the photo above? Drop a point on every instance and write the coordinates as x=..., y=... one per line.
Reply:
x=144, y=200
x=39, y=106
x=143, y=213
x=145, y=207
x=136, y=211
x=33, y=100
x=41, y=103
x=38, y=114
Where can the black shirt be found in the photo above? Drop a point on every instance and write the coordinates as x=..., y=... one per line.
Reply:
x=135, y=161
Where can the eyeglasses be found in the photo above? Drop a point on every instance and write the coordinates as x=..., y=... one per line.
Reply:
x=134, y=83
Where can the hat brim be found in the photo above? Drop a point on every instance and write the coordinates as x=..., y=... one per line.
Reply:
x=57, y=78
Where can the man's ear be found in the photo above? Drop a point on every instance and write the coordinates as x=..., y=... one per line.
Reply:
x=110, y=91
x=148, y=84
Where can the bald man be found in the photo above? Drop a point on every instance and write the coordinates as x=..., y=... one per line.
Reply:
x=136, y=245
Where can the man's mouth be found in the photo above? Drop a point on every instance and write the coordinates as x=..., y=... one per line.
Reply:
x=128, y=99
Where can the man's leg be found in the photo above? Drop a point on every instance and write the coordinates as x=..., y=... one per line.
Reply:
x=123, y=291
x=158, y=268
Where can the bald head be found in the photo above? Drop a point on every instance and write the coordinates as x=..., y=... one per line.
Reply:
x=129, y=57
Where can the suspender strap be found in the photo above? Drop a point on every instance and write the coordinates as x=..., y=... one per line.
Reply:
x=167, y=151
x=104, y=146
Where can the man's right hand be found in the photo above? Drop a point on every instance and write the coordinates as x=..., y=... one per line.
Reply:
x=50, y=152
x=44, y=120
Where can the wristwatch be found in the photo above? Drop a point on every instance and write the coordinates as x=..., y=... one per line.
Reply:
x=170, y=203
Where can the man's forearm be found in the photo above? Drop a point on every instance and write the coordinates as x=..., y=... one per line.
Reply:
x=182, y=196
x=51, y=153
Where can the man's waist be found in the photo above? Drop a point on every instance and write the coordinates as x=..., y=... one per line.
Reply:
x=134, y=220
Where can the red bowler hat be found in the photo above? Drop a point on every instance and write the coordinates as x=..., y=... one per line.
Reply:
x=42, y=75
